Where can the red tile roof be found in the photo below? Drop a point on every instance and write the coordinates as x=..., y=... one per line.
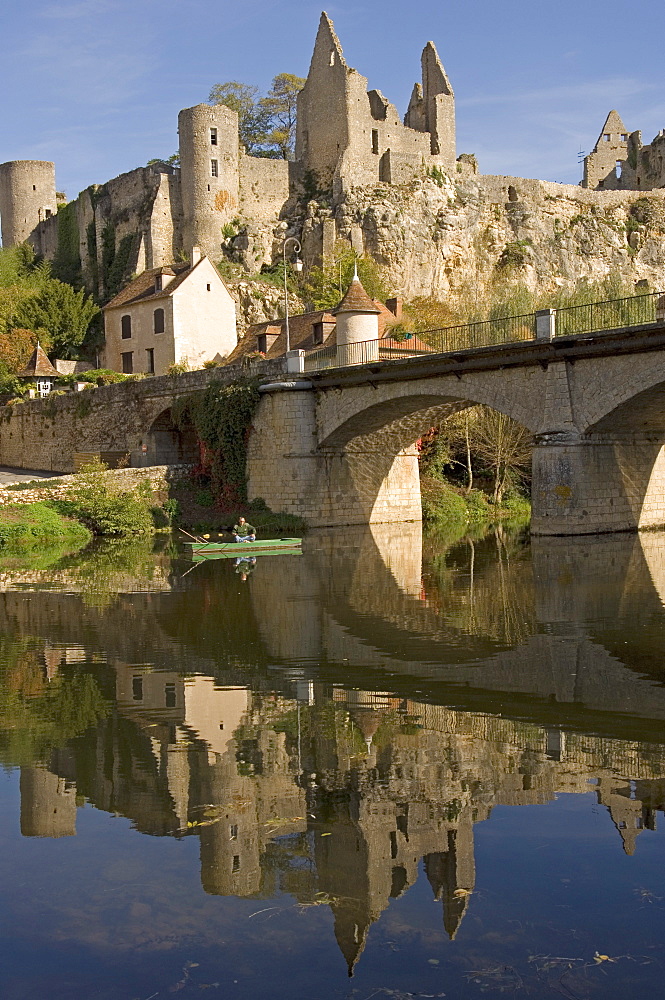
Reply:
x=143, y=287
x=38, y=364
x=356, y=300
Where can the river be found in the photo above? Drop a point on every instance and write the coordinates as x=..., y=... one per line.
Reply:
x=390, y=767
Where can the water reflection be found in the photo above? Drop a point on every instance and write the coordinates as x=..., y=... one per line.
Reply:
x=332, y=723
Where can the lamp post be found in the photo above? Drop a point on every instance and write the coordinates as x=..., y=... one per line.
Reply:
x=297, y=264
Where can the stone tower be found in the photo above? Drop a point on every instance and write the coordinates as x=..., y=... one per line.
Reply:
x=27, y=197
x=209, y=174
x=432, y=107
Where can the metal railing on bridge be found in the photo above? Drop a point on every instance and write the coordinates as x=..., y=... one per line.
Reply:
x=638, y=310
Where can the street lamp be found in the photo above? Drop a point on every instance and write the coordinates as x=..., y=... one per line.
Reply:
x=297, y=265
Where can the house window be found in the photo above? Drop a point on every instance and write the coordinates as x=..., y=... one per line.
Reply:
x=158, y=320
x=207, y=288
x=150, y=360
x=375, y=140
x=317, y=333
x=137, y=687
x=214, y=168
x=236, y=863
x=169, y=695
x=43, y=386
x=213, y=136
x=126, y=327
x=127, y=365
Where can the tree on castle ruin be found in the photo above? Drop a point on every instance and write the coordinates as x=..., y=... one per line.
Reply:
x=266, y=125
x=280, y=104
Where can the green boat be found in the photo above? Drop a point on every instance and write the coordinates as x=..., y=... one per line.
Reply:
x=245, y=550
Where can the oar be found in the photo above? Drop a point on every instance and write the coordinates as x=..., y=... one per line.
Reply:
x=201, y=541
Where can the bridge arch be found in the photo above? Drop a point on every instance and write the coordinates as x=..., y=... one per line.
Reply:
x=168, y=443
x=359, y=410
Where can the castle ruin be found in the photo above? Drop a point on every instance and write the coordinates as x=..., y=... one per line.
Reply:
x=346, y=137
x=620, y=162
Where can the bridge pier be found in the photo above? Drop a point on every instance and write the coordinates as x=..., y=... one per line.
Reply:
x=361, y=482
x=593, y=484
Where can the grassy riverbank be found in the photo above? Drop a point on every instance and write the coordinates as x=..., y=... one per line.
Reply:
x=38, y=525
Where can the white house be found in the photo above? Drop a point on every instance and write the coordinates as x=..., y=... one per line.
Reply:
x=181, y=312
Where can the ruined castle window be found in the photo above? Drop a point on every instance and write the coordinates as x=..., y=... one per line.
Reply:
x=214, y=168
x=158, y=320
x=34, y=187
x=150, y=360
x=624, y=137
x=332, y=58
x=137, y=687
x=375, y=140
x=169, y=695
x=236, y=863
x=617, y=169
x=48, y=213
x=126, y=327
x=601, y=184
x=233, y=832
x=127, y=366
x=213, y=136
x=606, y=138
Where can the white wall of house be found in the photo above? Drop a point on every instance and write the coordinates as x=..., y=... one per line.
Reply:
x=204, y=316
x=199, y=323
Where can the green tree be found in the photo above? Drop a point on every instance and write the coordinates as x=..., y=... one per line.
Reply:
x=63, y=314
x=267, y=124
x=326, y=284
x=252, y=118
x=280, y=105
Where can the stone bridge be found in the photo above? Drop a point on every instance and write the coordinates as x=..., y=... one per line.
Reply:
x=338, y=446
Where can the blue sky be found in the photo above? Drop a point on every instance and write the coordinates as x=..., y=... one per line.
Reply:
x=96, y=85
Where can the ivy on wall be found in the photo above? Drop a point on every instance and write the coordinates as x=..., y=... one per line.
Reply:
x=66, y=265
x=222, y=418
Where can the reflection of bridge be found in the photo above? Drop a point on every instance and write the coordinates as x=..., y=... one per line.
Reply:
x=276, y=752
x=339, y=446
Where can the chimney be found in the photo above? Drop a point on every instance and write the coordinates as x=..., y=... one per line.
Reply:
x=195, y=255
x=395, y=306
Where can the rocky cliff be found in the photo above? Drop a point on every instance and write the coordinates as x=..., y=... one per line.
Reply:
x=446, y=235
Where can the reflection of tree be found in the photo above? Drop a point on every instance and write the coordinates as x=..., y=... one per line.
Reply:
x=485, y=587
x=38, y=716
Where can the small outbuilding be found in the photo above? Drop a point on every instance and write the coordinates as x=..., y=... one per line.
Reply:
x=40, y=369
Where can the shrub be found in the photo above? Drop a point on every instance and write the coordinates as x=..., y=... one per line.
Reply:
x=441, y=503
x=102, y=507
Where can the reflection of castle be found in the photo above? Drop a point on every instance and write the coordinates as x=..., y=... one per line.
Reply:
x=335, y=799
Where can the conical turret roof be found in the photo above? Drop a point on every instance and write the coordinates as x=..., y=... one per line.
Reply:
x=356, y=300
x=38, y=364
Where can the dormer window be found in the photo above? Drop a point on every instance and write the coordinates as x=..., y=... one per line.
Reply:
x=262, y=343
x=317, y=333
x=213, y=136
x=158, y=283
